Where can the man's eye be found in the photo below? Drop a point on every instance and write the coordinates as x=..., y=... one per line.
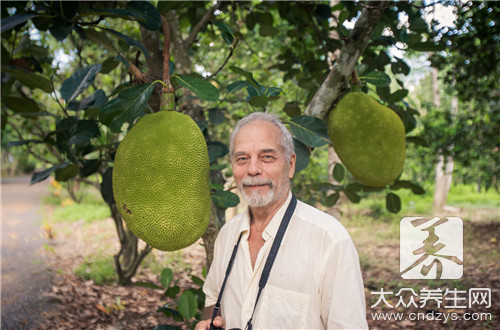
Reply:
x=241, y=159
x=268, y=158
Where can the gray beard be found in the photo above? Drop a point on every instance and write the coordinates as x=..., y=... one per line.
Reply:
x=254, y=198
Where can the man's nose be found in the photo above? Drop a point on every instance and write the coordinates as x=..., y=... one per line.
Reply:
x=254, y=168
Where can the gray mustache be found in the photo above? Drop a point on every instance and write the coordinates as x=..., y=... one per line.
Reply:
x=256, y=182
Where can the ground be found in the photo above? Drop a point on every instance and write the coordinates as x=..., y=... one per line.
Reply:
x=25, y=276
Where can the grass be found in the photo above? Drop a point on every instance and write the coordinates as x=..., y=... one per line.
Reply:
x=90, y=208
x=99, y=268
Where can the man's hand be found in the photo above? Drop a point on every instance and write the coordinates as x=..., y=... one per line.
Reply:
x=219, y=322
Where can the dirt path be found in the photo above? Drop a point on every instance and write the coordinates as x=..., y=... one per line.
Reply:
x=25, y=276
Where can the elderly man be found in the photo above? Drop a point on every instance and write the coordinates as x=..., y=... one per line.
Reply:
x=314, y=280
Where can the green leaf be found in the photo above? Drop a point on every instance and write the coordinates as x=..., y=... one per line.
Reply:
x=129, y=41
x=107, y=186
x=166, y=277
x=21, y=105
x=126, y=107
x=268, y=30
x=323, y=186
x=392, y=203
x=95, y=100
x=418, y=24
x=171, y=313
x=400, y=66
x=109, y=64
x=332, y=199
x=303, y=155
x=310, y=130
x=258, y=101
x=166, y=326
x=29, y=79
x=173, y=291
x=83, y=131
x=338, y=172
x=13, y=21
x=417, y=140
x=42, y=175
x=292, y=109
x=196, y=280
x=66, y=173
x=187, y=306
x=216, y=116
x=146, y=14
x=377, y=78
x=217, y=167
x=416, y=189
x=60, y=28
x=90, y=166
x=141, y=11
x=216, y=150
x=237, y=85
x=398, y=96
x=203, y=89
x=227, y=33
x=148, y=285
x=22, y=143
x=265, y=18
x=225, y=199
x=247, y=75
x=79, y=81
x=427, y=46
x=100, y=38
x=350, y=192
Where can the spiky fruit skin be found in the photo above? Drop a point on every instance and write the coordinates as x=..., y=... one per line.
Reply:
x=369, y=138
x=161, y=180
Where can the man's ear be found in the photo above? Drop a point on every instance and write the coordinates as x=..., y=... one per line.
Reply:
x=291, y=170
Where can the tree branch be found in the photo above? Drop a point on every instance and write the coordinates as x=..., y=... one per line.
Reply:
x=231, y=51
x=194, y=32
x=336, y=80
x=166, y=57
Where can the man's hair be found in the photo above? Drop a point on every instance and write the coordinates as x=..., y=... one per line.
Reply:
x=286, y=138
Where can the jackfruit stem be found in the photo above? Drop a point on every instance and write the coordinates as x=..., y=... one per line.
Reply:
x=168, y=102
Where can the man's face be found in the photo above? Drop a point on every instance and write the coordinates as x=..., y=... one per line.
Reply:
x=259, y=164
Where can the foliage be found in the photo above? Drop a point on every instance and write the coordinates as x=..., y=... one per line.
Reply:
x=188, y=304
x=473, y=44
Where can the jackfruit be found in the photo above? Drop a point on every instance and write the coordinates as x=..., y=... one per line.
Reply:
x=161, y=180
x=369, y=139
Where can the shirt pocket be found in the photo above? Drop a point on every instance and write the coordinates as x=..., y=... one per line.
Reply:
x=283, y=309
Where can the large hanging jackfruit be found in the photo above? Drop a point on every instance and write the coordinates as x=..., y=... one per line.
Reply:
x=369, y=138
x=161, y=180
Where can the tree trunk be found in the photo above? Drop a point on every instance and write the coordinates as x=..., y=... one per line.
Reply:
x=444, y=168
x=128, y=259
x=154, y=61
x=192, y=107
x=333, y=158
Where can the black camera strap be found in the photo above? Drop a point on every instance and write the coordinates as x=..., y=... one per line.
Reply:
x=228, y=270
x=267, y=267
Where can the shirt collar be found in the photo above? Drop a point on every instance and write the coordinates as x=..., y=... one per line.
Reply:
x=272, y=228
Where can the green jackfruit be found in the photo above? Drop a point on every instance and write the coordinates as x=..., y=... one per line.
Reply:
x=161, y=180
x=369, y=139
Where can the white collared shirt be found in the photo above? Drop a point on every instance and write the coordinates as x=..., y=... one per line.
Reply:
x=315, y=281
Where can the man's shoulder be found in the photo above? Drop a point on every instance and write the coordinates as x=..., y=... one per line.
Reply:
x=323, y=221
